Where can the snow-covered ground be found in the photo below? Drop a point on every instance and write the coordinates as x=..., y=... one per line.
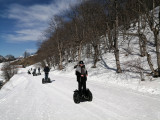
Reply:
x=24, y=97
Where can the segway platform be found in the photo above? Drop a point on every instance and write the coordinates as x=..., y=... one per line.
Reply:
x=81, y=97
x=38, y=73
x=34, y=74
x=46, y=80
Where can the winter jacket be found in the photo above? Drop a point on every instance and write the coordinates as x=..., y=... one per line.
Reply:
x=81, y=70
x=46, y=69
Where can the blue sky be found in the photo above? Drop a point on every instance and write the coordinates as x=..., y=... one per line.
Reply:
x=23, y=21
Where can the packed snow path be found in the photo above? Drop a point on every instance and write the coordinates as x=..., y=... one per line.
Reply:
x=26, y=98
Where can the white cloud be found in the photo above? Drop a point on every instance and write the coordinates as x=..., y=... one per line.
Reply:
x=32, y=20
x=31, y=50
x=24, y=35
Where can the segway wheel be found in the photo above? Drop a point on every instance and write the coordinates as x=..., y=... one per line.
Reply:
x=76, y=97
x=89, y=94
x=49, y=80
x=43, y=81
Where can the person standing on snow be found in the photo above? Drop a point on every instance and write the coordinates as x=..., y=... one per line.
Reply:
x=46, y=70
x=34, y=72
x=39, y=70
x=81, y=74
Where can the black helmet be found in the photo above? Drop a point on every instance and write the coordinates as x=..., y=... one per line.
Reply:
x=81, y=62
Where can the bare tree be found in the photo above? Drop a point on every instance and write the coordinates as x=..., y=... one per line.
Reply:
x=114, y=7
x=153, y=21
x=94, y=18
x=9, y=70
x=26, y=54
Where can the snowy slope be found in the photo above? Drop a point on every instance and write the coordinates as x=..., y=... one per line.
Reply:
x=106, y=73
x=25, y=98
x=130, y=78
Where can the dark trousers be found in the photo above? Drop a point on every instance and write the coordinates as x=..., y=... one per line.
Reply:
x=81, y=84
x=46, y=76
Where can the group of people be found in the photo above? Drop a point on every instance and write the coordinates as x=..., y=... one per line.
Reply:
x=46, y=70
x=80, y=72
x=34, y=71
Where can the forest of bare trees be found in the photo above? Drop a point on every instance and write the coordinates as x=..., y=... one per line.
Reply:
x=95, y=26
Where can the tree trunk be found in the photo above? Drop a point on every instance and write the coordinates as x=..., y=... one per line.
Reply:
x=116, y=50
x=140, y=40
x=73, y=54
x=110, y=40
x=159, y=17
x=150, y=64
x=142, y=44
x=60, y=57
x=89, y=49
x=79, y=51
x=157, y=49
x=96, y=55
x=143, y=38
x=152, y=17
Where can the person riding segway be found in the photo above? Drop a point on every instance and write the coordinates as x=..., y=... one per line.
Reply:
x=39, y=71
x=34, y=72
x=46, y=71
x=82, y=93
x=81, y=74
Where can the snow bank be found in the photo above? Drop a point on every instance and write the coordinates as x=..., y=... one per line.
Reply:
x=106, y=74
x=14, y=82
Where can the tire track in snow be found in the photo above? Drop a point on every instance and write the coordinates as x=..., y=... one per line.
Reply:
x=56, y=92
x=120, y=104
x=92, y=106
x=128, y=90
x=65, y=97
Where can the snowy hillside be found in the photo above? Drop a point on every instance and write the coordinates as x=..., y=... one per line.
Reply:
x=24, y=97
x=106, y=73
x=130, y=59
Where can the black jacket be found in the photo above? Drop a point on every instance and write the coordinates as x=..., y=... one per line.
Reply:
x=46, y=69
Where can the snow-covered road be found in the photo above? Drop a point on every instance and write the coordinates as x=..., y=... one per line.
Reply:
x=26, y=98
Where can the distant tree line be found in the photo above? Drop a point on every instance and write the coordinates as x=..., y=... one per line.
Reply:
x=10, y=57
x=93, y=28
x=7, y=58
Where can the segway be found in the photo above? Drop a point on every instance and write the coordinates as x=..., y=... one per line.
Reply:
x=38, y=73
x=29, y=72
x=46, y=80
x=82, y=96
x=34, y=74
